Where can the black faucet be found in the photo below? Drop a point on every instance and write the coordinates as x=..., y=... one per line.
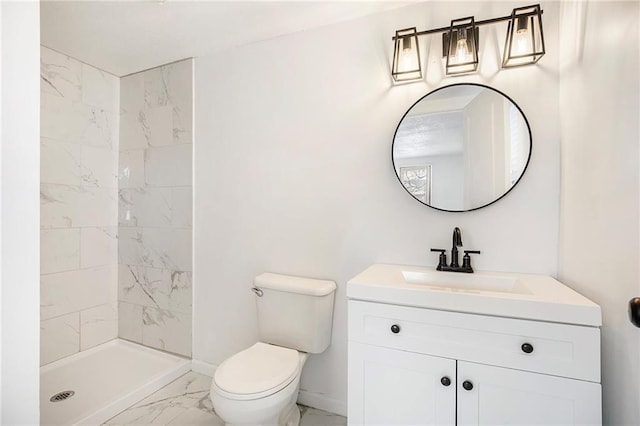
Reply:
x=456, y=241
x=455, y=265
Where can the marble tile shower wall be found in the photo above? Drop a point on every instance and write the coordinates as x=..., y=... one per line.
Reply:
x=155, y=199
x=79, y=157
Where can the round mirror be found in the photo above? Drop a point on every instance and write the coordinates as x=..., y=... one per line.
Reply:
x=461, y=147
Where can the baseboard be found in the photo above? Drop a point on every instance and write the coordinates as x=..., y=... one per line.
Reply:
x=203, y=367
x=321, y=402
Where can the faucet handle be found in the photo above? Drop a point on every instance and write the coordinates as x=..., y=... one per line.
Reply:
x=466, y=260
x=442, y=263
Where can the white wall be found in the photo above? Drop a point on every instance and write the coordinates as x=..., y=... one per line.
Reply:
x=20, y=213
x=293, y=172
x=599, y=100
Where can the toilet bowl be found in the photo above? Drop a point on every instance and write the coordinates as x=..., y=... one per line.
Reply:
x=259, y=385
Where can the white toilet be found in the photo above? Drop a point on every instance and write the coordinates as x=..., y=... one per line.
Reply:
x=259, y=386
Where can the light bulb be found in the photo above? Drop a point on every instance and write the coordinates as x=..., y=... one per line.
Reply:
x=462, y=50
x=521, y=42
x=521, y=35
x=462, y=53
x=408, y=57
x=407, y=61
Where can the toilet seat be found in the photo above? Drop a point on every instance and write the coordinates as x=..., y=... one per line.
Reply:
x=257, y=372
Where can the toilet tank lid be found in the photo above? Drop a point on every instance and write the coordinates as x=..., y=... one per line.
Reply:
x=291, y=284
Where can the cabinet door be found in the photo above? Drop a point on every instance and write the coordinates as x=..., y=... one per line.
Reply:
x=501, y=396
x=393, y=387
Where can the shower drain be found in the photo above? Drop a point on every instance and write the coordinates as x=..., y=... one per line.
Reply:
x=61, y=396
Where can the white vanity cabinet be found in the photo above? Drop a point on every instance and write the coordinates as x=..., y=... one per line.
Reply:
x=394, y=387
x=503, y=396
x=418, y=366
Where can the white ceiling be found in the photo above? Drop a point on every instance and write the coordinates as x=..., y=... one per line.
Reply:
x=123, y=37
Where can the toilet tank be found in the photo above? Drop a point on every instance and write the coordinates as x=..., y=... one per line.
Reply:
x=295, y=312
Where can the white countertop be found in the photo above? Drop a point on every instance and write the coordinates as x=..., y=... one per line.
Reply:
x=525, y=296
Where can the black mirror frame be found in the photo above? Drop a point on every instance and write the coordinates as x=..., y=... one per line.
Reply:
x=484, y=205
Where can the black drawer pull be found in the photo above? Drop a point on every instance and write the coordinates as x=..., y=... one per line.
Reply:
x=395, y=329
x=467, y=385
x=527, y=348
x=445, y=381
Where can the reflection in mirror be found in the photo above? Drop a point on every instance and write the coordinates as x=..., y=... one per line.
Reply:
x=461, y=147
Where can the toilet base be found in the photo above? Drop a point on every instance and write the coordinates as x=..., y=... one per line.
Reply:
x=291, y=417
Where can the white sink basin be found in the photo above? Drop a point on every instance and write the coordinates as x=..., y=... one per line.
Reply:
x=453, y=281
x=528, y=296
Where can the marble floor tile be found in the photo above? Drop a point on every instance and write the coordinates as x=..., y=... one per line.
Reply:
x=196, y=417
x=175, y=399
x=315, y=417
x=185, y=401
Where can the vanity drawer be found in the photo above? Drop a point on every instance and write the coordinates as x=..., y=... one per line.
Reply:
x=550, y=348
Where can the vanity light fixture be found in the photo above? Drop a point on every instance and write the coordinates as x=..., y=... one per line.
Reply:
x=460, y=46
x=524, y=44
x=406, y=56
x=525, y=41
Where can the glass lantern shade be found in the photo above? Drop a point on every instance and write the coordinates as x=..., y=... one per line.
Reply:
x=460, y=46
x=406, y=56
x=525, y=41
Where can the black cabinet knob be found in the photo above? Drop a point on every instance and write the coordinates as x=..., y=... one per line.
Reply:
x=527, y=348
x=634, y=311
x=445, y=381
x=395, y=329
x=467, y=385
